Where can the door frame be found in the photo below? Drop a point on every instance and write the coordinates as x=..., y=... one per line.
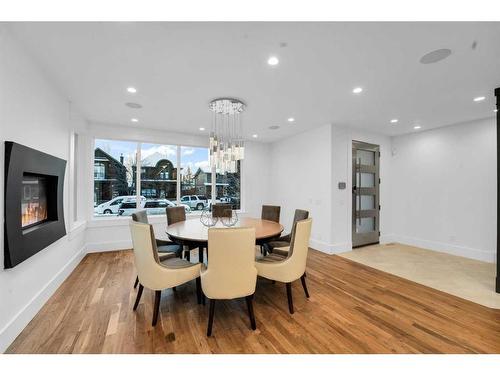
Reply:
x=370, y=238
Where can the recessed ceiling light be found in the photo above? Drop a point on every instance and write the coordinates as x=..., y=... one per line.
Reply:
x=134, y=120
x=273, y=60
x=357, y=90
x=291, y=119
x=479, y=99
x=274, y=127
x=202, y=129
x=131, y=90
x=254, y=135
x=133, y=105
x=416, y=127
x=394, y=120
x=435, y=56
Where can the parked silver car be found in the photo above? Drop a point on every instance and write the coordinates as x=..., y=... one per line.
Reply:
x=197, y=202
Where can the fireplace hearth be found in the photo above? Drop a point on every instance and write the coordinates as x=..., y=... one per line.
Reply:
x=34, y=215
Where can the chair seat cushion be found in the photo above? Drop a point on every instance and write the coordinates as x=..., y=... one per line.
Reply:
x=165, y=256
x=271, y=258
x=177, y=263
x=274, y=244
x=176, y=249
x=282, y=251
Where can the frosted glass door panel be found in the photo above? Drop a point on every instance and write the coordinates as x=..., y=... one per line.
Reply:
x=367, y=180
x=366, y=157
x=366, y=225
x=367, y=202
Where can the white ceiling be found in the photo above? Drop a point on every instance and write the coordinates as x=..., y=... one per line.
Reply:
x=178, y=68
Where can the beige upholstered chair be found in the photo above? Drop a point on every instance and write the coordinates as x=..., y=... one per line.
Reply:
x=281, y=245
x=231, y=271
x=167, y=249
x=222, y=210
x=293, y=267
x=157, y=275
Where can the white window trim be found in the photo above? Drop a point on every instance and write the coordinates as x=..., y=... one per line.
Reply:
x=92, y=218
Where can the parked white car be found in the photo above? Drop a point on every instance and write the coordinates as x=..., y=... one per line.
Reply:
x=112, y=206
x=152, y=207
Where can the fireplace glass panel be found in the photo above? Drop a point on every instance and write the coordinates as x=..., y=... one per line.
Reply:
x=34, y=200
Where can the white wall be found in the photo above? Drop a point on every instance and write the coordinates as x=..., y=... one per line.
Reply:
x=35, y=114
x=301, y=177
x=444, y=190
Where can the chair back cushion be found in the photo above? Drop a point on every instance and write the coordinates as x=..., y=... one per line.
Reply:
x=145, y=254
x=299, y=247
x=231, y=271
x=175, y=214
x=140, y=217
x=271, y=213
x=222, y=210
x=300, y=215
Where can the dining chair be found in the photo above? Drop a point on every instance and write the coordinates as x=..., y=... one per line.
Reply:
x=156, y=274
x=167, y=249
x=222, y=210
x=271, y=213
x=231, y=271
x=293, y=267
x=280, y=245
x=177, y=214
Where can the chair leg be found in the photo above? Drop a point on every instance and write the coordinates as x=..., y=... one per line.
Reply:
x=200, y=254
x=211, y=317
x=136, y=281
x=250, y=311
x=303, y=280
x=198, y=290
x=138, y=298
x=156, y=308
x=289, y=295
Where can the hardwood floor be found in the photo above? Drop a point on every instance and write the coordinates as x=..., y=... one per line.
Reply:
x=352, y=309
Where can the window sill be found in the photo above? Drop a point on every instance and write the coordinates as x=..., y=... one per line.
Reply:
x=118, y=221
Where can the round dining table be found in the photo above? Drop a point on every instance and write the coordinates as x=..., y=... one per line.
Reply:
x=193, y=233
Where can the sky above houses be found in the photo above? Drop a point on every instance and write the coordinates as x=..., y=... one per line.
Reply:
x=191, y=157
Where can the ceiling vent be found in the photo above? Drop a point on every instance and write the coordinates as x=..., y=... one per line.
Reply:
x=435, y=56
x=133, y=105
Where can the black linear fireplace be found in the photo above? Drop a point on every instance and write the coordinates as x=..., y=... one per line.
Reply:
x=34, y=215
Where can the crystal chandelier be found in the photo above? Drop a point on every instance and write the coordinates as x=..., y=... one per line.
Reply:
x=226, y=136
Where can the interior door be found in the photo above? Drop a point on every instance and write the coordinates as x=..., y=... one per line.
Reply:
x=365, y=193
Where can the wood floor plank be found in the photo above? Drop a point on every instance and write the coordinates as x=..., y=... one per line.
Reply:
x=352, y=309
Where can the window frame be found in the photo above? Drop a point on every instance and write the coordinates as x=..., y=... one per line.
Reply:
x=139, y=143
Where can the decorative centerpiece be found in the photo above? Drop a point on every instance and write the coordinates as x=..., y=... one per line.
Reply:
x=207, y=219
x=230, y=220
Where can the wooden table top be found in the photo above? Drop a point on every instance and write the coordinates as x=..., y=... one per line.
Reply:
x=194, y=230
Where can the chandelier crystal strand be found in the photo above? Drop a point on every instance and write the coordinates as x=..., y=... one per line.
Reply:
x=226, y=136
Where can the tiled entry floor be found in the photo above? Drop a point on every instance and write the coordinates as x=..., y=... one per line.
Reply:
x=462, y=277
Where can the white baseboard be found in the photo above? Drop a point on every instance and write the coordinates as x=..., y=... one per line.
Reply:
x=329, y=248
x=462, y=251
x=15, y=326
x=100, y=247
